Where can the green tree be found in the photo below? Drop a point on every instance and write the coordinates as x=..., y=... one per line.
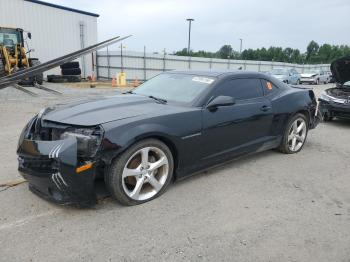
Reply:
x=312, y=51
x=225, y=51
x=325, y=53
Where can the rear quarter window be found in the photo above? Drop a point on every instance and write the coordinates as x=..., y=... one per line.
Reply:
x=268, y=87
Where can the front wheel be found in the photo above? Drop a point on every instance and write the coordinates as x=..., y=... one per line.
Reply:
x=295, y=135
x=141, y=173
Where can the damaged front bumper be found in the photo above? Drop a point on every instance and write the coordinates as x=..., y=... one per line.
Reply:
x=51, y=170
x=333, y=109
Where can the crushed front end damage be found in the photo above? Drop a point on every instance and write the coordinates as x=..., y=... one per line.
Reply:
x=334, y=107
x=53, y=168
x=335, y=101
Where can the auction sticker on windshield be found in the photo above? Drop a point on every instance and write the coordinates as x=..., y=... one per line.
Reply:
x=203, y=80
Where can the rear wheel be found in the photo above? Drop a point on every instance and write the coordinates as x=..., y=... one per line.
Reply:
x=2, y=68
x=294, y=135
x=141, y=173
x=38, y=78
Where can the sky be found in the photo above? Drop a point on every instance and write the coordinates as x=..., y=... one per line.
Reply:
x=159, y=24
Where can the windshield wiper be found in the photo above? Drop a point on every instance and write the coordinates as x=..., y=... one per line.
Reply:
x=160, y=100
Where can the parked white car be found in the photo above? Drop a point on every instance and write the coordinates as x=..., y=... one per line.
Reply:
x=314, y=77
x=288, y=76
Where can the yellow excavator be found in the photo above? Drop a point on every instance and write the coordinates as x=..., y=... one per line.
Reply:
x=14, y=57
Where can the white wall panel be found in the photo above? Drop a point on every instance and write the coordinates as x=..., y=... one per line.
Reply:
x=55, y=32
x=134, y=64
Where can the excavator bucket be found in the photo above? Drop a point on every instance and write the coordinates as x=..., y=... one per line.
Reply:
x=13, y=79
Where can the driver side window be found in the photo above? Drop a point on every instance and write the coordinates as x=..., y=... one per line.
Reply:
x=241, y=89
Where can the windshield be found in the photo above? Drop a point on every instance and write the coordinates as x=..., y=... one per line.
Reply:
x=278, y=71
x=9, y=37
x=175, y=87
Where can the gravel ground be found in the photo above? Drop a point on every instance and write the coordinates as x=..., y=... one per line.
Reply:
x=265, y=207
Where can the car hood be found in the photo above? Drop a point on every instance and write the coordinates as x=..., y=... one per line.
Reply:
x=308, y=75
x=99, y=111
x=341, y=70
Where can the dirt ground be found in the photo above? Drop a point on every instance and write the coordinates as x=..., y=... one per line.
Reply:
x=265, y=207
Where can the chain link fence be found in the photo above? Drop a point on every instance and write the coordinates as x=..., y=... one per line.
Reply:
x=143, y=66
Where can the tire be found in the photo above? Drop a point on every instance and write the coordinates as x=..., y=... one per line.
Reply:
x=286, y=145
x=2, y=68
x=70, y=65
x=55, y=79
x=71, y=72
x=63, y=79
x=38, y=78
x=122, y=181
x=73, y=79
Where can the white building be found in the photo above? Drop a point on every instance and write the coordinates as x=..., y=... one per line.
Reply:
x=56, y=30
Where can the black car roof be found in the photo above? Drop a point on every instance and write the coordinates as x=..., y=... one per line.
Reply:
x=219, y=73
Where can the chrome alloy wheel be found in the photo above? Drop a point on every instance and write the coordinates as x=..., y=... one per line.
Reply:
x=145, y=173
x=297, y=134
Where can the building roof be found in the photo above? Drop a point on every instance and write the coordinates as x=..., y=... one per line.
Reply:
x=62, y=8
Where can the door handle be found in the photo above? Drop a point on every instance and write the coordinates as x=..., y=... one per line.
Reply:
x=265, y=108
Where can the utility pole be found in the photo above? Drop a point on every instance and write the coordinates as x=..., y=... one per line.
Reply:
x=190, y=20
x=240, y=47
x=121, y=57
x=164, y=54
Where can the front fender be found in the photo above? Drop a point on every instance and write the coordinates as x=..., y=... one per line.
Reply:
x=119, y=136
x=118, y=140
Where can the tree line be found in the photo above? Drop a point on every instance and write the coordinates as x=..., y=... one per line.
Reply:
x=315, y=53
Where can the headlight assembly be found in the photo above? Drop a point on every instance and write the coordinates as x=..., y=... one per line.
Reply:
x=88, y=140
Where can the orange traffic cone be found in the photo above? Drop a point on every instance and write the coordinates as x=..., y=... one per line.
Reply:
x=136, y=82
x=114, y=82
x=93, y=77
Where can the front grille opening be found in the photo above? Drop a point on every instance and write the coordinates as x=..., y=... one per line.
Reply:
x=41, y=165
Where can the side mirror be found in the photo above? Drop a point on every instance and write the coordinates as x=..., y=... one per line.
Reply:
x=220, y=101
x=29, y=34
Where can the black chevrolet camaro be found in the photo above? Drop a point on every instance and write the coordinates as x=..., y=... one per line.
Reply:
x=173, y=125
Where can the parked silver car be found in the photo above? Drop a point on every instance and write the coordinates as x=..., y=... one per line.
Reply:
x=314, y=77
x=288, y=76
